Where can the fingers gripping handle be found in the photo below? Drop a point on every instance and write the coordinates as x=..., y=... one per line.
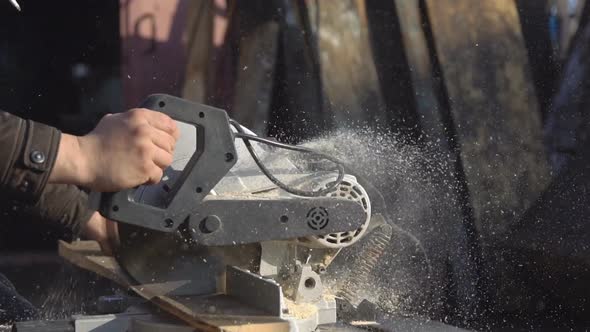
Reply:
x=214, y=156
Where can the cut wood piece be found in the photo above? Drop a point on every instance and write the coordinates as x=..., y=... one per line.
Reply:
x=87, y=255
x=493, y=106
x=349, y=78
x=196, y=311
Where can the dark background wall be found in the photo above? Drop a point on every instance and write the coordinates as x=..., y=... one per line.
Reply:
x=59, y=64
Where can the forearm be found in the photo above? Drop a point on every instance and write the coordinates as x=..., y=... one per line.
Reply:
x=123, y=151
x=70, y=163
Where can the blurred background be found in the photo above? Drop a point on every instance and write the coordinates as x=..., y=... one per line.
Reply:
x=500, y=89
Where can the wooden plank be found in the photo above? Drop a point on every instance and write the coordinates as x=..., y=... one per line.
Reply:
x=462, y=251
x=484, y=64
x=349, y=78
x=543, y=57
x=570, y=16
x=421, y=72
x=190, y=309
x=297, y=111
x=198, y=35
x=255, y=74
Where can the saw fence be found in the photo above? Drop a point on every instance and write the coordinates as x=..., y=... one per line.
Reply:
x=193, y=310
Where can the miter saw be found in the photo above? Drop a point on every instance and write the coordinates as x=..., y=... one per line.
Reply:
x=269, y=214
x=247, y=227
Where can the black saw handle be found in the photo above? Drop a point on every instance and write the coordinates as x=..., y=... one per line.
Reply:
x=214, y=156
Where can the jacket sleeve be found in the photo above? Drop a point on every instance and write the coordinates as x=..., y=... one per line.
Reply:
x=27, y=154
x=64, y=204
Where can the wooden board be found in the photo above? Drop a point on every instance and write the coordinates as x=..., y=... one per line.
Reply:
x=190, y=309
x=296, y=109
x=348, y=74
x=493, y=106
x=418, y=56
x=456, y=232
x=198, y=35
x=255, y=74
x=570, y=16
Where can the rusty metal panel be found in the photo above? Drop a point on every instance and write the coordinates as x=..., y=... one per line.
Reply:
x=495, y=113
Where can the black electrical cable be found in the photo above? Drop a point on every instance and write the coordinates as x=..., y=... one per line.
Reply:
x=306, y=193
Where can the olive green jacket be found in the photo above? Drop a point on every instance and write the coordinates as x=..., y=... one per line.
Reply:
x=28, y=151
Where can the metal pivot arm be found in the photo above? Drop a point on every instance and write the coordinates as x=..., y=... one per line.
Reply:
x=233, y=221
x=214, y=156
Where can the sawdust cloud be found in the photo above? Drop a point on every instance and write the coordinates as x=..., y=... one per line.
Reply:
x=428, y=242
x=63, y=296
x=73, y=292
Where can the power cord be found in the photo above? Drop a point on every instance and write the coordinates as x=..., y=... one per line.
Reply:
x=305, y=193
x=248, y=137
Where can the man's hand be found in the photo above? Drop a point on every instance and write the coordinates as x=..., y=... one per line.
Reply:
x=102, y=230
x=123, y=151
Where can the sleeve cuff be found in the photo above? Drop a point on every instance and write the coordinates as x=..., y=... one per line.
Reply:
x=35, y=161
